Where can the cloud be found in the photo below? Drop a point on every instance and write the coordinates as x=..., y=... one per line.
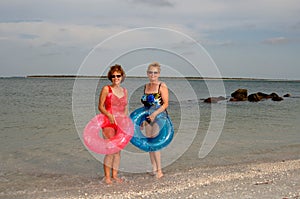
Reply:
x=44, y=33
x=296, y=26
x=4, y=38
x=34, y=27
x=219, y=43
x=28, y=36
x=154, y=2
x=276, y=40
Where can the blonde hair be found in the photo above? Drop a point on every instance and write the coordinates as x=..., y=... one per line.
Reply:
x=154, y=64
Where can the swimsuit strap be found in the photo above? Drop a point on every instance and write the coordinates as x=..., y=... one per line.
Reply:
x=158, y=88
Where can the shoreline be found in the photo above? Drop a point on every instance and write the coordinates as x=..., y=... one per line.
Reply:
x=277, y=179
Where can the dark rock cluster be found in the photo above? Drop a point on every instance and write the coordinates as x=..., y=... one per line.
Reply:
x=214, y=99
x=242, y=95
x=256, y=97
x=239, y=95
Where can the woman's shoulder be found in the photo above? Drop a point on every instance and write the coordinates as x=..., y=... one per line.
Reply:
x=106, y=88
x=163, y=84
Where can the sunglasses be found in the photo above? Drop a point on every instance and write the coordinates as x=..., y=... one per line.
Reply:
x=152, y=72
x=114, y=76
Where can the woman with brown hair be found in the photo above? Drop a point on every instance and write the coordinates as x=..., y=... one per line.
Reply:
x=113, y=101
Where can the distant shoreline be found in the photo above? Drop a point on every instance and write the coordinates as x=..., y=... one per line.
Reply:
x=164, y=77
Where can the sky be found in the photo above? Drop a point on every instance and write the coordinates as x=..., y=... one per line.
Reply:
x=243, y=38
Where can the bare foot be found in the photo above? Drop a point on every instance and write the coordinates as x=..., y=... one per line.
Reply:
x=151, y=173
x=108, y=181
x=118, y=180
x=159, y=175
x=154, y=172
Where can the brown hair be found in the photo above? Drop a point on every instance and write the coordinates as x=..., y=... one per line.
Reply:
x=115, y=68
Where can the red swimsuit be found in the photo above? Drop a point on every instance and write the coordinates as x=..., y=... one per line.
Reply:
x=115, y=106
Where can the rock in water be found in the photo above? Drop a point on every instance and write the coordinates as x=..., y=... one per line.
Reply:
x=239, y=95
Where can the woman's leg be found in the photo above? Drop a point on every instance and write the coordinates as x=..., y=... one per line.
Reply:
x=107, y=165
x=115, y=166
x=149, y=133
x=153, y=162
x=108, y=159
x=155, y=157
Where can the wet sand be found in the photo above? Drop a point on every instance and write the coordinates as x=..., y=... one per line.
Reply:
x=254, y=180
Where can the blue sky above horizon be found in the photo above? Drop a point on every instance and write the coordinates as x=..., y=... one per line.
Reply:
x=257, y=39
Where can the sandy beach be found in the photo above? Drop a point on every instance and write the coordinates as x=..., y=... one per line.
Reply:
x=255, y=180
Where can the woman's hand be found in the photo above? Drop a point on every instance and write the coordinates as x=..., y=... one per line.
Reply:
x=152, y=117
x=111, y=118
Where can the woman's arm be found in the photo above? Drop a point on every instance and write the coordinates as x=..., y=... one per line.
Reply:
x=101, y=105
x=126, y=107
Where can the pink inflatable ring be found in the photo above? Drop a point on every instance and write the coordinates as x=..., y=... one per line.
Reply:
x=98, y=144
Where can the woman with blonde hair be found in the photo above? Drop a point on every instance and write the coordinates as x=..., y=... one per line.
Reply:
x=157, y=105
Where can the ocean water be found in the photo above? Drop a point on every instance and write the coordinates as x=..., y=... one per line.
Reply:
x=41, y=123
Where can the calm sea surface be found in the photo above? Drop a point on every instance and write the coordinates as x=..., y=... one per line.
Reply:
x=39, y=133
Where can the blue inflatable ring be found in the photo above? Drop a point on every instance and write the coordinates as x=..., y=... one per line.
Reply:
x=164, y=136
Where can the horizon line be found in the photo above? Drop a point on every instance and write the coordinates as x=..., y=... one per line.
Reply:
x=168, y=77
